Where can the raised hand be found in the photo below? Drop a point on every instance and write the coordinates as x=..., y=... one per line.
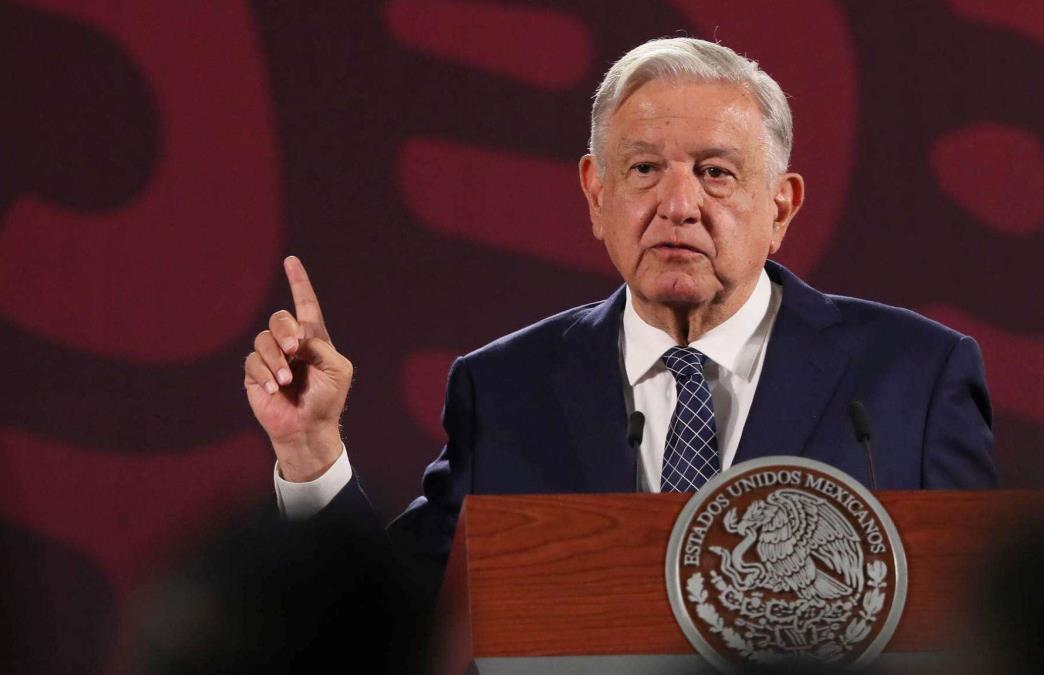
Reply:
x=297, y=383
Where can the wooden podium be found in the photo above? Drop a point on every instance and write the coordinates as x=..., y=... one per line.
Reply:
x=575, y=583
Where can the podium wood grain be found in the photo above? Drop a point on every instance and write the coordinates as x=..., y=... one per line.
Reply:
x=547, y=575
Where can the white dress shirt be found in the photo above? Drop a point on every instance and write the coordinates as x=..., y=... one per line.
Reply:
x=735, y=354
x=300, y=501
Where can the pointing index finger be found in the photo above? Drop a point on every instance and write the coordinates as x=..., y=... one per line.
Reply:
x=306, y=304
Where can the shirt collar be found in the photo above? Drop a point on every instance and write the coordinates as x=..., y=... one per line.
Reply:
x=734, y=345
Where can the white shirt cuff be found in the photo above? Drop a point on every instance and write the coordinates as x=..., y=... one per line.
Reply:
x=300, y=501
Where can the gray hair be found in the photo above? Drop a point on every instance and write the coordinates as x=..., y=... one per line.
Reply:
x=698, y=60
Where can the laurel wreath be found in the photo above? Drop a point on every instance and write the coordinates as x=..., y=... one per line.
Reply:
x=709, y=615
x=856, y=631
x=873, y=601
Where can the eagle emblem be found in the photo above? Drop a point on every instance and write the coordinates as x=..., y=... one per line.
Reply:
x=802, y=543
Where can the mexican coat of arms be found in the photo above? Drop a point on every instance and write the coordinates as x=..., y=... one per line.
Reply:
x=783, y=559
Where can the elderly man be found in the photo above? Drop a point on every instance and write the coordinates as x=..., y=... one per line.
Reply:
x=728, y=356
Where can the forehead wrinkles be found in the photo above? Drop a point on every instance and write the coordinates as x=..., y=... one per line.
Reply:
x=651, y=124
x=736, y=114
x=687, y=99
x=653, y=136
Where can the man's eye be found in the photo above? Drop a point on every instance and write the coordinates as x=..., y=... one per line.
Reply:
x=644, y=168
x=714, y=172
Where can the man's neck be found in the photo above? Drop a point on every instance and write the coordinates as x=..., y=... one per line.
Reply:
x=688, y=323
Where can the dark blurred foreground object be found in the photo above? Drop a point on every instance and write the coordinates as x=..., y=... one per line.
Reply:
x=1012, y=602
x=274, y=597
x=57, y=606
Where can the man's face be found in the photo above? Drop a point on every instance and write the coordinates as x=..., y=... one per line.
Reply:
x=688, y=206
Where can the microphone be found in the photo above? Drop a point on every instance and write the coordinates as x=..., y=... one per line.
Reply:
x=635, y=429
x=861, y=426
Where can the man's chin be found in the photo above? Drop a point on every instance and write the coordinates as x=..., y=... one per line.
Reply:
x=682, y=292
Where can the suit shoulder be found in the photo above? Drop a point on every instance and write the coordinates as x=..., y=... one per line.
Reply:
x=533, y=340
x=860, y=319
x=893, y=323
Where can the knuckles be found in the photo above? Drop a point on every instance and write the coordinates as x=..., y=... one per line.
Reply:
x=281, y=315
x=255, y=365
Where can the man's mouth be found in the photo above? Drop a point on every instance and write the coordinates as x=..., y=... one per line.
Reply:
x=669, y=248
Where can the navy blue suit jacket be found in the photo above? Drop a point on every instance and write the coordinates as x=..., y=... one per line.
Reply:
x=542, y=410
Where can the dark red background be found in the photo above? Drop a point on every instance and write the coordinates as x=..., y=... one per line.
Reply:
x=157, y=160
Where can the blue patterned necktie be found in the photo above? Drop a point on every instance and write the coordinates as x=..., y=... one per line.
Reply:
x=690, y=457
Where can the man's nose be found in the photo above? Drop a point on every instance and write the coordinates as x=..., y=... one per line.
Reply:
x=681, y=196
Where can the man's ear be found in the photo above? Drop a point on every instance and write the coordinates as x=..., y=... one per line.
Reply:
x=790, y=195
x=591, y=183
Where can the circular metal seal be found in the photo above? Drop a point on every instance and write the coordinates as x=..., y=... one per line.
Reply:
x=786, y=559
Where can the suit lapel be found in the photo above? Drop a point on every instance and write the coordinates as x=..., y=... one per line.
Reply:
x=801, y=372
x=589, y=386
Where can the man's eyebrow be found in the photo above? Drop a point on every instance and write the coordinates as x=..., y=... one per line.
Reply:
x=733, y=154
x=725, y=152
x=634, y=146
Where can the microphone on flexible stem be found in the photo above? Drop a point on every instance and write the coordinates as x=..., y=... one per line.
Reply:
x=861, y=426
x=635, y=429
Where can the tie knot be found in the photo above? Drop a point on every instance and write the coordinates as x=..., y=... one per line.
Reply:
x=684, y=362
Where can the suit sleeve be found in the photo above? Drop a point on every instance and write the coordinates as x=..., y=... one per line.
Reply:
x=423, y=534
x=958, y=450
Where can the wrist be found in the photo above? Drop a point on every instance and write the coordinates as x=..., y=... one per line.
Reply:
x=308, y=457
